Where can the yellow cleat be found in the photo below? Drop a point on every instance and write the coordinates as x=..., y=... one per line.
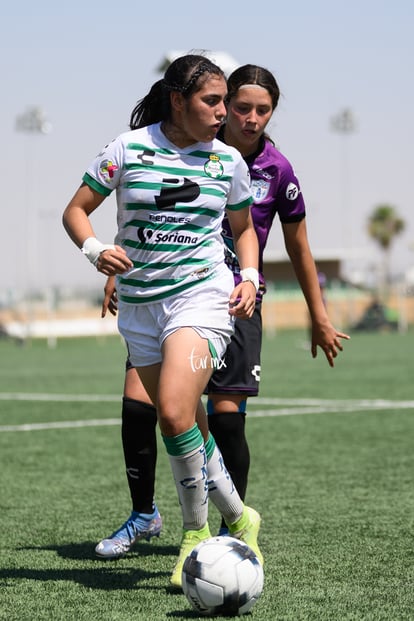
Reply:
x=247, y=529
x=189, y=541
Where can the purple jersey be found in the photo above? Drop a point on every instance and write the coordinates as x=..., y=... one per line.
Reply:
x=275, y=189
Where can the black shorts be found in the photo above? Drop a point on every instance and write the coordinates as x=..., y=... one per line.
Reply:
x=241, y=373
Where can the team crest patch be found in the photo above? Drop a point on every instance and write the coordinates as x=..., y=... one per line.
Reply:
x=292, y=192
x=107, y=170
x=213, y=167
x=259, y=189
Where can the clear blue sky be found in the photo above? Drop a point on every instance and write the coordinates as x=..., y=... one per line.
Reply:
x=86, y=64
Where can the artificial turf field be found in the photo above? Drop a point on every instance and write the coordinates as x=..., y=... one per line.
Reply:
x=332, y=474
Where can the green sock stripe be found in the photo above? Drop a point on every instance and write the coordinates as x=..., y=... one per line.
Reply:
x=210, y=445
x=184, y=442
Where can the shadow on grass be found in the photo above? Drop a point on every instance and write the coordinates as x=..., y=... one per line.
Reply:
x=183, y=614
x=86, y=551
x=106, y=579
x=125, y=573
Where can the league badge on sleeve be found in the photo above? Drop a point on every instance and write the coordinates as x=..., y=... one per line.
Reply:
x=292, y=191
x=107, y=170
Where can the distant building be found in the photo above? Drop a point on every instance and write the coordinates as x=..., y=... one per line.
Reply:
x=278, y=269
x=338, y=264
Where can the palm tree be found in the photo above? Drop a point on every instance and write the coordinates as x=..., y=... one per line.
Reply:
x=384, y=225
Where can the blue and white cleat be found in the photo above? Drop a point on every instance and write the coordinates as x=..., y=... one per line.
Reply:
x=138, y=526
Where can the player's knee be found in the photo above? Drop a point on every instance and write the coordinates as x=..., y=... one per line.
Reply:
x=217, y=408
x=136, y=408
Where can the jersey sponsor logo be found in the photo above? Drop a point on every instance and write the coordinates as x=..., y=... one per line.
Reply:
x=201, y=273
x=107, y=169
x=175, y=237
x=159, y=217
x=292, y=191
x=146, y=157
x=260, y=189
x=187, y=192
x=213, y=167
x=144, y=235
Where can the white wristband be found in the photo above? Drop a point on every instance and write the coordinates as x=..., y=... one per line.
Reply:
x=92, y=248
x=250, y=274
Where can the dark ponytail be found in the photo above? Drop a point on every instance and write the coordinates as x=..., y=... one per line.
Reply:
x=152, y=108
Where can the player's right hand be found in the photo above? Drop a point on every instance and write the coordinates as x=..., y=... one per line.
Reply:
x=113, y=261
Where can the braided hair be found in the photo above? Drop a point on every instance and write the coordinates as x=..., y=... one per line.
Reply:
x=185, y=75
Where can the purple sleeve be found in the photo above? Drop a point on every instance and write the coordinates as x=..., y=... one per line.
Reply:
x=289, y=199
x=275, y=190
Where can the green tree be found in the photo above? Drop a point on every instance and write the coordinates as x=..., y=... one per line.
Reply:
x=384, y=224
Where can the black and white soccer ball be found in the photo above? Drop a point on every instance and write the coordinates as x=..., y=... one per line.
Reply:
x=222, y=576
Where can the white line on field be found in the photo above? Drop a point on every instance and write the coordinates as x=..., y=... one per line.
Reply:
x=294, y=407
x=41, y=396
x=369, y=403
x=64, y=424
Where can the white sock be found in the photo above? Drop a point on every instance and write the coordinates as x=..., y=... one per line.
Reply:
x=189, y=469
x=220, y=485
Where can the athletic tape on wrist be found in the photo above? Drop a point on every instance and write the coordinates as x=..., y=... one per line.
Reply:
x=92, y=248
x=250, y=274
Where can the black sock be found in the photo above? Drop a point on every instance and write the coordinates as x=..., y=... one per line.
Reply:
x=139, y=442
x=228, y=429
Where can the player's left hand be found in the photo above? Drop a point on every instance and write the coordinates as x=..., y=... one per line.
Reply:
x=328, y=339
x=110, y=301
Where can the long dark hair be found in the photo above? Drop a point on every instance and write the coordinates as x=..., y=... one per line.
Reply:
x=252, y=74
x=185, y=75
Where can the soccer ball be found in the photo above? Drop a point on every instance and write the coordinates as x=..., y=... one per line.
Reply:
x=222, y=575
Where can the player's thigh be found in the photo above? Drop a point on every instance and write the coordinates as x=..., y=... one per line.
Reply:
x=133, y=387
x=185, y=370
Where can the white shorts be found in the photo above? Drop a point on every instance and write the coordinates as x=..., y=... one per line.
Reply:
x=204, y=307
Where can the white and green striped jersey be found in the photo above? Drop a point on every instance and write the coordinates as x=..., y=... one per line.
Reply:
x=171, y=203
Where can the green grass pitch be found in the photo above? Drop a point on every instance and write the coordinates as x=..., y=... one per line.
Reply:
x=332, y=474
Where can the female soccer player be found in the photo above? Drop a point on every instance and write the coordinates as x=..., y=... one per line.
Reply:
x=253, y=95
x=176, y=297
